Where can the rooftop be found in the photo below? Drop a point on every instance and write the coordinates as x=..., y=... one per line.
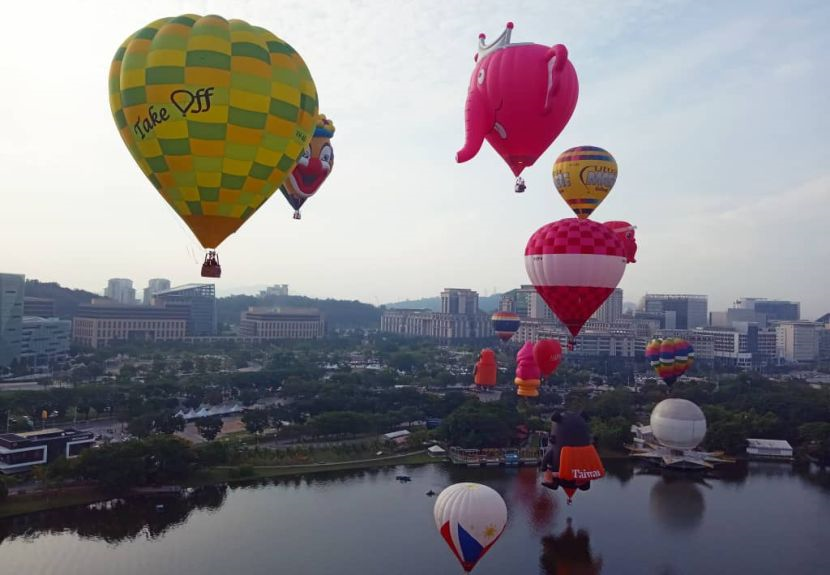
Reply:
x=769, y=443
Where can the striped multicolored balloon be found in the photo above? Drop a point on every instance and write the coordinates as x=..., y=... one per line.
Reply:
x=584, y=176
x=670, y=357
x=505, y=324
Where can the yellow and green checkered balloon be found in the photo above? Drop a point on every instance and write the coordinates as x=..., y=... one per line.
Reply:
x=215, y=112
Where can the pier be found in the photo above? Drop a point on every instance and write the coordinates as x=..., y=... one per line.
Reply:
x=495, y=457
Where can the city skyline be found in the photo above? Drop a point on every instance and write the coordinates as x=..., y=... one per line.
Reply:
x=694, y=103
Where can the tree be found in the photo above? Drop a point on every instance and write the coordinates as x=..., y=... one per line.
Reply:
x=255, y=420
x=186, y=366
x=141, y=426
x=169, y=423
x=209, y=427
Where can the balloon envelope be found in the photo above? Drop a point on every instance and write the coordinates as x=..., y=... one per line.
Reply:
x=470, y=518
x=215, y=113
x=678, y=423
x=584, y=176
x=505, y=324
x=486, y=369
x=574, y=265
x=520, y=98
x=313, y=167
x=548, y=354
x=670, y=357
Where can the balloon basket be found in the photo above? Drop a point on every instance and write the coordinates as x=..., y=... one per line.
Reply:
x=297, y=215
x=211, y=267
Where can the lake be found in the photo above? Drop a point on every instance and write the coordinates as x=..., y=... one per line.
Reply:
x=746, y=518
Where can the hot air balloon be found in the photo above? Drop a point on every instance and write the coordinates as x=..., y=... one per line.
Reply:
x=470, y=518
x=548, y=354
x=571, y=460
x=486, y=369
x=670, y=357
x=313, y=167
x=215, y=113
x=574, y=265
x=626, y=233
x=520, y=98
x=584, y=176
x=528, y=374
x=505, y=324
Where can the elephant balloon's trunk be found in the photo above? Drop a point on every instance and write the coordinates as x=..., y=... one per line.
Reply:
x=479, y=119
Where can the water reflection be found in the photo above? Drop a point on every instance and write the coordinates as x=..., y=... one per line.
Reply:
x=677, y=503
x=116, y=520
x=537, y=501
x=620, y=469
x=569, y=553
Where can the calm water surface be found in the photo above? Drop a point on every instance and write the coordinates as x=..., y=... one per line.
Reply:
x=756, y=518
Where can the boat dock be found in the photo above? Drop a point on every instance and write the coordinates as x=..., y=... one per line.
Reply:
x=494, y=457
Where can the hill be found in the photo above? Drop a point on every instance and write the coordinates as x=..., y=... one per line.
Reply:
x=66, y=300
x=488, y=303
x=340, y=314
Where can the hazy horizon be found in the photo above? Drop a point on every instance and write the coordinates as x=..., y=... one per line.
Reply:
x=715, y=113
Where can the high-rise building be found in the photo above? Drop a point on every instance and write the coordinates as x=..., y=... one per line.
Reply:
x=200, y=302
x=459, y=301
x=612, y=309
x=679, y=311
x=538, y=309
x=154, y=286
x=38, y=307
x=120, y=290
x=12, y=287
x=797, y=341
x=521, y=299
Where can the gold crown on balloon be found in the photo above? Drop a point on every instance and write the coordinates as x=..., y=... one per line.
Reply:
x=501, y=42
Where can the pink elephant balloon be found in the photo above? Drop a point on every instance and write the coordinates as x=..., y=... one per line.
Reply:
x=625, y=232
x=521, y=96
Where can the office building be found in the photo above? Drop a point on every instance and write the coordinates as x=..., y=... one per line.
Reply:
x=12, y=287
x=120, y=290
x=773, y=309
x=282, y=323
x=44, y=340
x=797, y=341
x=38, y=307
x=274, y=290
x=22, y=451
x=679, y=311
x=200, y=302
x=155, y=286
x=612, y=308
x=459, y=301
x=102, y=322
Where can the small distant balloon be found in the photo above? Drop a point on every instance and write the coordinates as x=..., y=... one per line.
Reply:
x=505, y=324
x=548, y=354
x=670, y=357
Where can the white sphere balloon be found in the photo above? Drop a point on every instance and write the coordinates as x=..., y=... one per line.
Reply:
x=678, y=423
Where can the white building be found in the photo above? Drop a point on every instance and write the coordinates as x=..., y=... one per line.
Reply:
x=797, y=341
x=155, y=286
x=769, y=449
x=612, y=309
x=282, y=323
x=120, y=290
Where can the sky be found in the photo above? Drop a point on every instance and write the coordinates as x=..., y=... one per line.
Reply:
x=716, y=113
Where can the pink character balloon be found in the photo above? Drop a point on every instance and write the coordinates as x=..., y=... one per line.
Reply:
x=521, y=97
x=625, y=231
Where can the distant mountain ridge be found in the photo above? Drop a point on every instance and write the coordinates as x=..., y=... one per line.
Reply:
x=488, y=303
